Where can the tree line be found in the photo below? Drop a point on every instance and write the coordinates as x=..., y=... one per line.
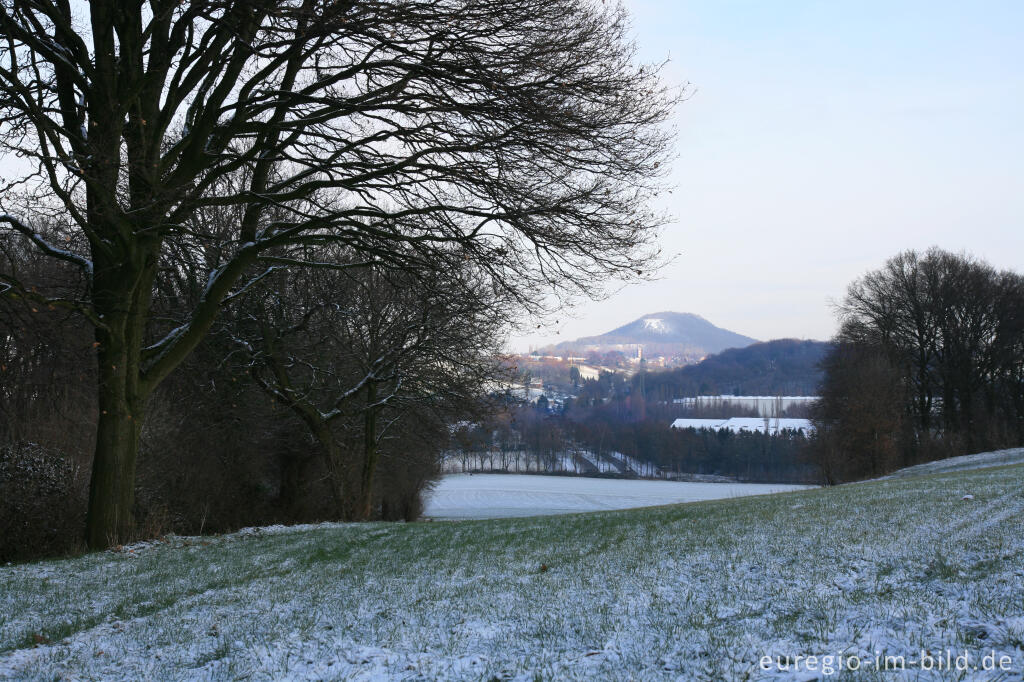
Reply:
x=928, y=363
x=295, y=227
x=626, y=435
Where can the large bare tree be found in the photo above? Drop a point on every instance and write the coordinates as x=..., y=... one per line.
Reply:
x=521, y=135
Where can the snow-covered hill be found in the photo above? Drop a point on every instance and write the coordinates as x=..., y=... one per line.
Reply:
x=664, y=333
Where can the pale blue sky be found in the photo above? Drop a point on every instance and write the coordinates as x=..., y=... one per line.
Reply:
x=822, y=138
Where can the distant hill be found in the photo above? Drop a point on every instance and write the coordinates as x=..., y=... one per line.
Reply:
x=781, y=367
x=670, y=334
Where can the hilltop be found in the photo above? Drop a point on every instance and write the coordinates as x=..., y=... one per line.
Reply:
x=674, y=335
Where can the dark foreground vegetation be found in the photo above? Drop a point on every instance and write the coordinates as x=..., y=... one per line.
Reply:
x=321, y=413
x=254, y=254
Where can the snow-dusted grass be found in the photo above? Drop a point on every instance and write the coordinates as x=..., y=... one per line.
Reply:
x=964, y=463
x=492, y=496
x=695, y=591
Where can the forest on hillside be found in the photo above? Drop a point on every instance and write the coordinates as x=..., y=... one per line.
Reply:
x=771, y=368
x=780, y=367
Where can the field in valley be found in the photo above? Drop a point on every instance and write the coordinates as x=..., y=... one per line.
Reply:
x=486, y=496
x=692, y=591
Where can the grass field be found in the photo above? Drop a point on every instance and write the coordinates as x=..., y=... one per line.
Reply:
x=694, y=591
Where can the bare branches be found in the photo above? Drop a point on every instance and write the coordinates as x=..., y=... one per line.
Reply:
x=357, y=350
x=506, y=112
x=951, y=325
x=44, y=246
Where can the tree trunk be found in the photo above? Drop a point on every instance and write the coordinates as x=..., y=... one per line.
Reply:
x=370, y=454
x=112, y=486
x=123, y=288
x=294, y=485
x=334, y=459
x=122, y=407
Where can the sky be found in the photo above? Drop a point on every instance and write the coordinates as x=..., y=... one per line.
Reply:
x=820, y=139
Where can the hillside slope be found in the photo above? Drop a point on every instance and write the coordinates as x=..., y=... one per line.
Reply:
x=694, y=591
x=780, y=367
x=963, y=463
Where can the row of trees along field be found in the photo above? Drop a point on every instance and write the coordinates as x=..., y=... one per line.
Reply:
x=588, y=431
x=256, y=249
x=928, y=363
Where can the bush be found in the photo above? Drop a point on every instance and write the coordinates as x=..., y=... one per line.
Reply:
x=42, y=503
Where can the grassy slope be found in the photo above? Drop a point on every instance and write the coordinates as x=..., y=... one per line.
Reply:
x=696, y=591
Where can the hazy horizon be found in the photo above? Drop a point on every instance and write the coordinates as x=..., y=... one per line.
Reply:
x=819, y=140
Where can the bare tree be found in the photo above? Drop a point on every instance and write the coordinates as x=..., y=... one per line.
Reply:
x=948, y=328
x=402, y=343
x=519, y=135
x=859, y=419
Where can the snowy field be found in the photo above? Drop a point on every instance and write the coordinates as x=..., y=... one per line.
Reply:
x=696, y=591
x=492, y=496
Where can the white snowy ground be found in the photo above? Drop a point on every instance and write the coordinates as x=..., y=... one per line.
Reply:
x=694, y=591
x=493, y=496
